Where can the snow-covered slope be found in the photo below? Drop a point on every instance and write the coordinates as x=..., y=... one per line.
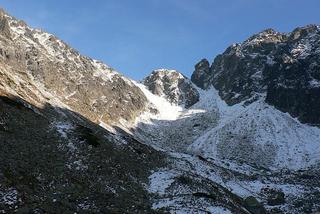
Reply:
x=251, y=150
x=259, y=134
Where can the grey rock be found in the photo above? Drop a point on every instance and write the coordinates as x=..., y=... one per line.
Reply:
x=254, y=206
x=282, y=67
x=274, y=196
x=201, y=74
x=4, y=25
x=174, y=86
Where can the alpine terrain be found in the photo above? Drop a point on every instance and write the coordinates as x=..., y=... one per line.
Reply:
x=242, y=135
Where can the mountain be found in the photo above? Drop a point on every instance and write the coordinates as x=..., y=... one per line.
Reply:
x=65, y=141
x=282, y=67
x=241, y=136
x=240, y=124
x=173, y=86
x=55, y=158
x=41, y=68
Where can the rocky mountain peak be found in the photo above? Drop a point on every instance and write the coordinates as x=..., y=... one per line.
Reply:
x=201, y=74
x=301, y=32
x=172, y=85
x=274, y=66
x=266, y=36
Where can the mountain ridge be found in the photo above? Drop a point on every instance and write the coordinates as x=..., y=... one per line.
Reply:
x=77, y=136
x=270, y=63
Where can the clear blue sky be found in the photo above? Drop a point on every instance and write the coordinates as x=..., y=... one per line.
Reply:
x=137, y=36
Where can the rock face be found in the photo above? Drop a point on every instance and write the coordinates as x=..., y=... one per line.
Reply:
x=283, y=68
x=172, y=85
x=201, y=75
x=37, y=64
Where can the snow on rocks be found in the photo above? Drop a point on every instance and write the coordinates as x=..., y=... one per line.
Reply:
x=219, y=210
x=103, y=71
x=63, y=128
x=9, y=196
x=257, y=133
x=166, y=110
x=273, y=138
x=160, y=181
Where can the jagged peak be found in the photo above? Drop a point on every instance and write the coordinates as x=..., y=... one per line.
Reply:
x=165, y=73
x=268, y=35
x=173, y=86
x=202, y=63
x=301, y=32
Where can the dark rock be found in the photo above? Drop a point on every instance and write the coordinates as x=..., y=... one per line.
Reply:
x=201, y=74
x=284, y=67
x=204, y=195
x=254, y=206
x=274, y=196
x=46, y=168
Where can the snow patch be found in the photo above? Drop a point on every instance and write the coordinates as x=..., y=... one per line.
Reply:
x=9, y=196
x=63, y=128
x=219, y=210
x=160, y=181
x=166, y=110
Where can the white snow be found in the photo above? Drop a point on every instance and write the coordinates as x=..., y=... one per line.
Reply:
x=301, y=50
x=160, y=181
x=219, y=210
x=63, y=128
x=276, y=139
x=270, y=61
x=9, y=196
x=314, y=83
x=253, y=188
x=167, y=111
x=103, y=71
x=297, y=145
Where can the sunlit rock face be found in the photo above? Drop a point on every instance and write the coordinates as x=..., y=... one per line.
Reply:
x=41, y=67
x=173, y=86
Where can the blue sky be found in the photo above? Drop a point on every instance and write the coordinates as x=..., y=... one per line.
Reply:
x=137, y=36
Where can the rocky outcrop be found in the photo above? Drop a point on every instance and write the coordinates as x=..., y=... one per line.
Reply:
x=4, y=25
x=172, y=85
x=281, y=68
x=253, y=205
x=201, y=75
